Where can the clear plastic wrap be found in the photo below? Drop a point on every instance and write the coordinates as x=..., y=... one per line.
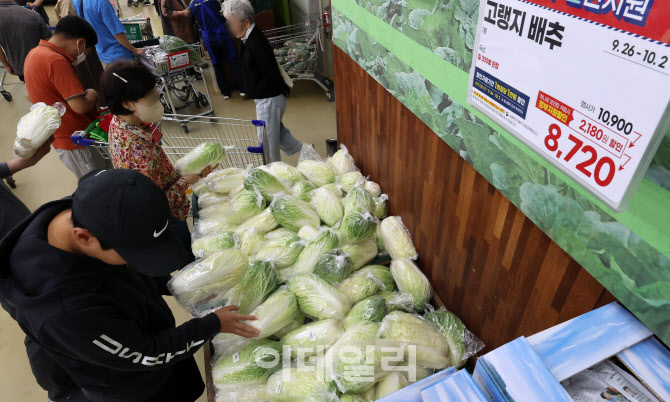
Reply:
x=205, y=227
x=317, y=298
x=225, y=180
x=462, y=343
x=397, y=240
x=308, y=153
x=396, y=301
x=258, y=282
x=367, y=282
x=390, y=383
x=336, y=188
x=309, y=338
x=251, y=240
x=328, y=206
x=334, y=266
x=307, y=232
x=349, y=180
x=243, y=206
x=292, y=213
x=360, y=254
x=197, y=159
x=412, y=281
x=35, y=128
x=281, y=252
x=420, y=338
x=358, y=198
x=298, y=322
x=285, y=172
x=316, y=172
x=249, y=393
x=209, y=199
x=258, y=179
x=371, y=309
x=342, y=162
x=249, y=367
x=302, y=189
x=362, y=331
x=216, y=211
x=293, y=384
x=276, y=312
x=279, y=233
x=208, y=278
x=322, y=243
x=362, y=363
x=373, y=188
x=200, y=188
x=381, y=208
x=358, y=225
x=205, y=246
x=263, y=222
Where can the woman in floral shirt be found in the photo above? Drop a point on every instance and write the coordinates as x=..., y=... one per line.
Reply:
x=129, y=90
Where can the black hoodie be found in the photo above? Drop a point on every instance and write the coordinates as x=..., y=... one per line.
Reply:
x=107, y=326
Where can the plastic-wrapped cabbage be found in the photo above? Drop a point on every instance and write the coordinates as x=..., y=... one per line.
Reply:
x=373, y=188
x=250, y=366
x=293, y=213
x=307, y=232
x=430, y=345
x=293, y=384
x=390, y=383
x=276, y=312
x=249, y=393
x=370, y=309
x=414, y=373
x=349, y=180
x=212, y=276
x=396, y=239
x=206, y=227
x=358, y=225
x=225, y=180
x=298, y=322
x=209, y=199
x=284, y=171
x=322, y=243
x=412, y=281
x=317, y=298
x=279, y=233
x=379, y=240
x=360, y=332
x=250, y=240
x=360, y=254
x=281, y=252
x=258, y=282
x=260, y=180
x=462, y=343
x=263, y=222
x=353, y=398
x=335, y=188
x=358, y=198
x=316, y=172
x=245, y=205
x=305, y=341
x=199, y=188
x=381, y=208
x=35, y=128
x=342, y=162
x=197, y=159
x=396, y=301
x=207, y=245
x=170, y=43
x=327, y=205
x=361, y=365
x=218, y=212
x=367, y=282
x=303, y=190
x=333, y=266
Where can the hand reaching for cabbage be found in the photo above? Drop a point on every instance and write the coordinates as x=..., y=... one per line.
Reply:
x=231, y=322
x=193, y=178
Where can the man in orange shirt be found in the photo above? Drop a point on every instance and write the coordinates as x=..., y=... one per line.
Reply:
x=50, y=78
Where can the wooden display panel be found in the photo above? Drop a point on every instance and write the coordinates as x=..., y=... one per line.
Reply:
x=487, y=261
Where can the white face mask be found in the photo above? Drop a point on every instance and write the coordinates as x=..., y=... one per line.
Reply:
x=149, y=114
x=80, y=57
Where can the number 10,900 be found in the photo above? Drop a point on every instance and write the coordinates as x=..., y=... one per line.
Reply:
x=551, y=142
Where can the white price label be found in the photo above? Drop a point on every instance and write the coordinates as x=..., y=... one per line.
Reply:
x=590, y=99
x=179, y=60
x=236, y=357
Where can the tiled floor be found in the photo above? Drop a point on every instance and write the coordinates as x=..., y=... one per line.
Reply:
x=309, y=116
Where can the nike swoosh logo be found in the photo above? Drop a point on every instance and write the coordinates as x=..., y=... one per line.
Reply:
x=156, y=234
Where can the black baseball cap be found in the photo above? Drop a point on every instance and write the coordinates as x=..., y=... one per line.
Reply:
x=127, y=211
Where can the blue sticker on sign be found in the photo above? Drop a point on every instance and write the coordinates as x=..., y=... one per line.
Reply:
x=501, y=93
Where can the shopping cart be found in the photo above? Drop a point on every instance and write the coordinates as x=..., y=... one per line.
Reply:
x=175, y=79
x=244, y=139
x=298, y=49
x=3, y=74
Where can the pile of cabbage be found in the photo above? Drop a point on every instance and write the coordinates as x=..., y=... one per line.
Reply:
x=306, y=250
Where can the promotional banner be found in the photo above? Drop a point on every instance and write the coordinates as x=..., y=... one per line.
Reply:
x=590, y=99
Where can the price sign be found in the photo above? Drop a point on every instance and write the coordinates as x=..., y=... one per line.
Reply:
x=133, y=32
x=591, y=99
x=178, y=60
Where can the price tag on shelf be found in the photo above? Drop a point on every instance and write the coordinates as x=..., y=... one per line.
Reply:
x=178, y=60
x=591, y=99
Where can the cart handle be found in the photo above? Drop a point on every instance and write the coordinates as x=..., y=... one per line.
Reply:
x=78, y=139
x=258, y=149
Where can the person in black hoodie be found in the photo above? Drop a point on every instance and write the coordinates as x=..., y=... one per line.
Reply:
x=262, y=78
x=84, y=278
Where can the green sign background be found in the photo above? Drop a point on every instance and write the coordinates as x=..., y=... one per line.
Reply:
x=421, y=51
x=133, y=31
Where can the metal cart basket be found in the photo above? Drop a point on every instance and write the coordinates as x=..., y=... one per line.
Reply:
x=298, y=49
x=175, y=79
x=138, y=29
x=244, y=139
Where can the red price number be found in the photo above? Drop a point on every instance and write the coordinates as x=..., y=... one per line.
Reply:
x=602, y=178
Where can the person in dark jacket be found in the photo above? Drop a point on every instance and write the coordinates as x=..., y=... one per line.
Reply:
x=84, y=278
x=262, y=78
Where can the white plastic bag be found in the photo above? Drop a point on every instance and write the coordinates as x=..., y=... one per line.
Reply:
x=35, y=128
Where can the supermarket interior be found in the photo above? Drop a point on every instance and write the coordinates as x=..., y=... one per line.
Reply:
x=393, y=200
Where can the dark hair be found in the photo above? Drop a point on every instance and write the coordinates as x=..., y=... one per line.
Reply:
x=72, y=27
x=77, y=224
x=604, y=395
x=626, y=387
x=125, y=81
